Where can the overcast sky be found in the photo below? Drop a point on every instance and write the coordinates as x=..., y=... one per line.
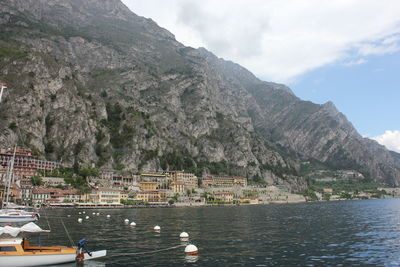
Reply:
x=346, y=51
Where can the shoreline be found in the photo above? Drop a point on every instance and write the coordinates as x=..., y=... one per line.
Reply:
x=184, y=205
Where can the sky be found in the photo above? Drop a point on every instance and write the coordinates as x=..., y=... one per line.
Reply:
x=344, y=51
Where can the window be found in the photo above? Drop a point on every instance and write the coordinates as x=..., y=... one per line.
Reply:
x=8, y=248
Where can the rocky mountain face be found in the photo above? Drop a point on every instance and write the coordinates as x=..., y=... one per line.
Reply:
x=89, y=81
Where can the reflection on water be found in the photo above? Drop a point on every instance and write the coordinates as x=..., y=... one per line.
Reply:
x=311, y=234
x=92, y=263
x=191, y=258
x=184, y=240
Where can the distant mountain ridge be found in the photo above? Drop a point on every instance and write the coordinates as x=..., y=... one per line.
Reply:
x=90, y=81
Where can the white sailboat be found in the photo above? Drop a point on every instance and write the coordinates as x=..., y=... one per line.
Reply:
x=13, y=215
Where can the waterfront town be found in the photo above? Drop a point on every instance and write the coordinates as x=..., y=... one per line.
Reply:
x=40, y=182
x=46, y=183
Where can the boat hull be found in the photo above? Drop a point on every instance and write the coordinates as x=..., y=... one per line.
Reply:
x=35, y=260
x=10, y=219
x=95, y=255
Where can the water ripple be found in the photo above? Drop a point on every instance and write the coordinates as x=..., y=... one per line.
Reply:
x=356, y=233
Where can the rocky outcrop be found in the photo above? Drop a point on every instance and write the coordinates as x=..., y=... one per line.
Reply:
x=89, y=81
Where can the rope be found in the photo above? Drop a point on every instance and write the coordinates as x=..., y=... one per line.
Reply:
x=146, y=252
x=47, y=219
x=66, y=231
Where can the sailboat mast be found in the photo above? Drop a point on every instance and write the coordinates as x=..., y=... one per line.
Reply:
x=3, y=86
x=10, y=171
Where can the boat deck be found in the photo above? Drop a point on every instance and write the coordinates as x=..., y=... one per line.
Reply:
x=19, y=246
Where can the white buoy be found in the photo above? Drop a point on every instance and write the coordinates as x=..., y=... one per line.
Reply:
x=184, y=235
x=83, y=212
x=87, y=217
x=157, y=228
x=126, y=221
x=133, y=224
x=68, y=215
x=79, y=220
x=191, y=250
x=108, y=216
x=97, y=214
x=79, y=213
x=94, y=213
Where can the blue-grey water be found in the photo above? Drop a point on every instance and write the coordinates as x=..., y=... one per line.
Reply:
x=342, y=233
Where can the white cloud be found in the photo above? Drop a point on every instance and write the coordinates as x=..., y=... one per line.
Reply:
x=281, y=40
x=354, y=62
x=386, y=45
x=390, y=139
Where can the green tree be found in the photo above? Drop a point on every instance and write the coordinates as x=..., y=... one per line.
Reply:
x=326, y=197
x=346, y=195
x=205, y=195
x=176, y=197
x=36, y=180
x=87, y=171
x=79, y=183
x=310, y=195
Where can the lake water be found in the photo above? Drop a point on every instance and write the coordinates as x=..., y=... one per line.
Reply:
x=343, y=233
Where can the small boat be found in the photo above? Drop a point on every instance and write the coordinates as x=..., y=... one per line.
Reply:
x=12, y=216
x=17, y=252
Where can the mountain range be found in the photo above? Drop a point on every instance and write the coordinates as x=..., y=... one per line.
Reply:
x=91, y=82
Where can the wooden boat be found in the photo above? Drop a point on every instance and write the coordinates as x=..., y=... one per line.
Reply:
x=17, y=252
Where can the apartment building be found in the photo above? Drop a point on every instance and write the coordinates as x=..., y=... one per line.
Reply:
x=25, y=163
x=223, y=181
x=189, y=180
x=148, y=186
x=159, y=178
x=103, y=196
x=152, y=196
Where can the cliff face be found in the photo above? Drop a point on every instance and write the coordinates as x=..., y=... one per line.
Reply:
x=89, y=81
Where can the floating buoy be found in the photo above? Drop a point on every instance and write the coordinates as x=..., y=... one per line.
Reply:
x=94, y=213
x=157, y=228
x=68, y=215
x=87, y=217
x=133, y=224
x=79, y=220
x=191, y=250
x=108, y=216
x=184, y=235
x=97, y=214
x=79, y=212
x=83, y=212
x=126, y=221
